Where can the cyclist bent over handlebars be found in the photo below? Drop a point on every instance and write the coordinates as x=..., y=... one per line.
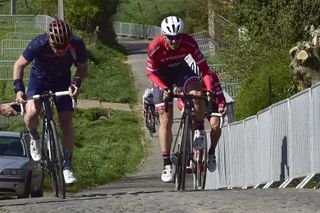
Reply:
x=166, y=67
x=52, y=56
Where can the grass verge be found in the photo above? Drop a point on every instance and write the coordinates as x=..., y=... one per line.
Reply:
x=108, y=146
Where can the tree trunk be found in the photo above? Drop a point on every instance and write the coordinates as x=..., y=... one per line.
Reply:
x=106, y=34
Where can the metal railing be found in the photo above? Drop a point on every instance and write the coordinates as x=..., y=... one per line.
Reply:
x=18, y=30
x=149, y=32
x=278, y=145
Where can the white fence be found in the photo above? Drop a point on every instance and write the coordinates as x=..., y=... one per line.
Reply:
x=149, y=32
x=278, y=145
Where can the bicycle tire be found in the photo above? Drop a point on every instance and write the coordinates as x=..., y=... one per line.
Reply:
x=150, y=122
x=185, y=150
x=200, y=162
x=55, y=160
x=176, y=158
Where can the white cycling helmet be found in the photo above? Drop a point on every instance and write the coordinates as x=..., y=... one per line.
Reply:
x=172, y=25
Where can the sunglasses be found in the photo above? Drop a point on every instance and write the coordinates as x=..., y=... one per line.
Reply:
x=173, y=37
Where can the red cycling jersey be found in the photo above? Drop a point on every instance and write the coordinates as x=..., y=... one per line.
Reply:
x=161, y=55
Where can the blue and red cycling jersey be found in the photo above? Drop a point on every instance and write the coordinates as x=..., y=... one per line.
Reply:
x=46, y=64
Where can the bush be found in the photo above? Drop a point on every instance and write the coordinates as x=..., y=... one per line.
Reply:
x=254, y=93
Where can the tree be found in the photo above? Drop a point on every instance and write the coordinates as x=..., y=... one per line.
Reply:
x=275, y=22
x=90, y=15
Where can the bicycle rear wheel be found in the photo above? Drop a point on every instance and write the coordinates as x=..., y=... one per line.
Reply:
x=183, y=158
x=200, y=162
x=55, y=158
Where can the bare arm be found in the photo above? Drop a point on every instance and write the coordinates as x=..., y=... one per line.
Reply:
x=18, y=67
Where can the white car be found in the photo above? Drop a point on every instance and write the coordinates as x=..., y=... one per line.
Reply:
x=19, y=174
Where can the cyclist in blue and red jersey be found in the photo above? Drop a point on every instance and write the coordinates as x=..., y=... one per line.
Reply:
x=166, y=67
x=52, y=55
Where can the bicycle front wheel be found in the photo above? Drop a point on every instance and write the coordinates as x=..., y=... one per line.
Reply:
x=184, y=153
x=56, y=160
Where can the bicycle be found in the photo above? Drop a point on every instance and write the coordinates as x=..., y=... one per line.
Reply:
x=150, y=119
x=52, y=152
x=184, y=155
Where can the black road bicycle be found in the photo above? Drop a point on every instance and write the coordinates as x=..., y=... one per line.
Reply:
x=150, y=119
x=184, y=155
x=52, y=151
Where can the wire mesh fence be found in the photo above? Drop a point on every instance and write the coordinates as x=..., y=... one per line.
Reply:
x=16, y=31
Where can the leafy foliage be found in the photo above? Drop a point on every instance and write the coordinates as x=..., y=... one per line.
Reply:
x=257, y=45
x=276, y=22
x=254, y=93
x=197, y=13
x=93, y=16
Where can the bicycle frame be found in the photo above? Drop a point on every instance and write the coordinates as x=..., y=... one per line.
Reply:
x=52, y=153
x=184, y=148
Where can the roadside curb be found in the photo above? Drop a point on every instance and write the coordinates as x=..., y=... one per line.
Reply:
x=87, y=104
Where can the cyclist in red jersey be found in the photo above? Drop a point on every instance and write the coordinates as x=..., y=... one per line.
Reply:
x=167, y=68
x=217, y=105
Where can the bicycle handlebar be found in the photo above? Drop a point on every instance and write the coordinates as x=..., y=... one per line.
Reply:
x=54, y=94
x=184, y=96
x=51, y=94
x=189, y=96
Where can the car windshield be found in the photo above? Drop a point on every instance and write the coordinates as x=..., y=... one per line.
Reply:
x=12, y=146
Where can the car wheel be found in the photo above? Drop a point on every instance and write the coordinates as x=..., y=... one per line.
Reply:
x=26, y=188
x=39, y=192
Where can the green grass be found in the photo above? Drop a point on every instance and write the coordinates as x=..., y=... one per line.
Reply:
x=144, y=12
x=109, y=155
x=108, y=78
x=108, y=145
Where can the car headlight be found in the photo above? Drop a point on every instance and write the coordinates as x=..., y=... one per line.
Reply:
x=12, y=172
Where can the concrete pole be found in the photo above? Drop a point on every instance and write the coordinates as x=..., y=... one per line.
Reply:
x=61, y=9
x=13, y=7
x=211, y=25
